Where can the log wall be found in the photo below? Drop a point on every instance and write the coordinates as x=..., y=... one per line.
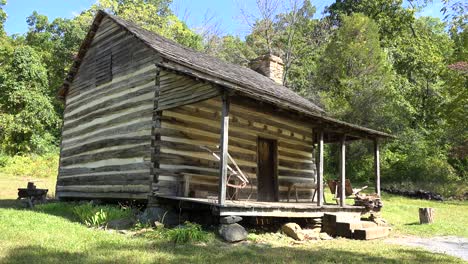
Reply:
x=185, y=128
x=106, y=138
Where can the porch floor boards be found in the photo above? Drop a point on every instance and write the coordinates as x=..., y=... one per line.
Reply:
x=260, y=209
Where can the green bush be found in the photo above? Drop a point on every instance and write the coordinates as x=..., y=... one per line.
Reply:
x=189, y=232
x=32, y=166
x=97, y=216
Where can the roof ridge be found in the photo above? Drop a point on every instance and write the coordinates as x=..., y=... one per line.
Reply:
x=131, y=26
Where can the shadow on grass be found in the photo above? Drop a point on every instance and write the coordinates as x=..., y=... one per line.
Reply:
x=168, y=253
x=12, y=204
x=413, y=224
x=56, y=208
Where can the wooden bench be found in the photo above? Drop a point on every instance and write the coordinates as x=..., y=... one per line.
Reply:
x=32, y=194
x=308, y=185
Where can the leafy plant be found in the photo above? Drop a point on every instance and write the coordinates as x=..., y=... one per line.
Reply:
x=97, y=216
x=189, y=232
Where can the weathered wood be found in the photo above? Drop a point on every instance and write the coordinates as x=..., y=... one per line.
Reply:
x=342, y=171
x=377, y=166
x=177, y=90
x=105, y=188
x=426, y=215
x=267, y=174
x=223, y=148
x=320, y=190
x=107, y=133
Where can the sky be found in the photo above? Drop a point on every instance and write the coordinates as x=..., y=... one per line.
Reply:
x=224, y=13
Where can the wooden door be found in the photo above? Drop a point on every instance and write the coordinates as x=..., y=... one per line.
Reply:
x=267, y=179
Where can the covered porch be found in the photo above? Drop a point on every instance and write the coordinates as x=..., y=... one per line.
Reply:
x=257, y=209
x=325, y=130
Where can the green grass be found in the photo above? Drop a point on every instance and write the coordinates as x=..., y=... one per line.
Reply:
x=53, y=234
x=41, y=237
x=451, y=217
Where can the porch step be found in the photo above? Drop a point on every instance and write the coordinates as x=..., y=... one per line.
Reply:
x=346, y=229
x=371, y=233
x=329, y=222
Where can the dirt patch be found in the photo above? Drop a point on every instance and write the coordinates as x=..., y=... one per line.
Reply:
x=450, y=245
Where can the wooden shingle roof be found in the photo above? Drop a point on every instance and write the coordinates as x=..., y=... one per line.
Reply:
x=201, y=65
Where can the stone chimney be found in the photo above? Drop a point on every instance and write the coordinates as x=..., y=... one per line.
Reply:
x=269, y=65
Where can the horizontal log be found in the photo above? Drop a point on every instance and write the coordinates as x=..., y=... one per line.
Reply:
x=106, y=143
x=100, y=195
x=139, y=126
x=105, y=188
x=127, y=152
x=112, y=120
x=106, y=168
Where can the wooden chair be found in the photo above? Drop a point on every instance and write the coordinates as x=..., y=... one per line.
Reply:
x=334, y=186
x=302, y=185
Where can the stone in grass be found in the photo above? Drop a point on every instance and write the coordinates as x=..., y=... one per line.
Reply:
x=232, y=232
x=120, y=224
x=166, y=216
x=230, y=219
x=293, y=230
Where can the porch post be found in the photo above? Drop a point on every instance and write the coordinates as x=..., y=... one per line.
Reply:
x=320, y=170
x=377, y=166
x=223, y=148
x=342, y=170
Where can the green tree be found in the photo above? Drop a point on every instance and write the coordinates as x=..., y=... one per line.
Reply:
x=3, y=16
x=354, y=72
x=153, y=15
x=390, y=15
x=356, y=85
x=26, y=113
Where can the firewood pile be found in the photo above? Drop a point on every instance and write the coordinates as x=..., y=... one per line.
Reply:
x=371, y=202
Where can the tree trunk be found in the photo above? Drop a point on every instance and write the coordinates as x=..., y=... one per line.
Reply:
x=426, y=215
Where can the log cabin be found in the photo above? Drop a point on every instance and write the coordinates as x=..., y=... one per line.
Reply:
x=148, y=119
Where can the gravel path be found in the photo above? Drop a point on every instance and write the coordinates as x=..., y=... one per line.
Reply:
x=450, y=245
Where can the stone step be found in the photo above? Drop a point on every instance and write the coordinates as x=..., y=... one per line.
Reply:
x=330, y=221
x=346, y=229
x=371, y=233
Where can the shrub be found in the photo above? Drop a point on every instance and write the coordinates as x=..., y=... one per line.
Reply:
x=32, y=166
x=97, y=216
x=189, y=232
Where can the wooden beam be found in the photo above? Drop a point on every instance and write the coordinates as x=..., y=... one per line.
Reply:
x=320, y=169
x=377, y=166
x=223, y=148
x=342, y=170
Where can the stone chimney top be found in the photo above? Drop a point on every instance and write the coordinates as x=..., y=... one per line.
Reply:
x=269, y=65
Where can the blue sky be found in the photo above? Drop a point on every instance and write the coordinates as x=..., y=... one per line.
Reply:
x=226, y=13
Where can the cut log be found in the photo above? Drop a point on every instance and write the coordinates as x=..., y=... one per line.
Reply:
x=426, y=215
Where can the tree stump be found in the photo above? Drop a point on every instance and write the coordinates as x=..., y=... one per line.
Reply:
x=426, y=215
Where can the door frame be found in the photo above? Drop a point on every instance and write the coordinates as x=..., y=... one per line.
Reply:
x=275, y=164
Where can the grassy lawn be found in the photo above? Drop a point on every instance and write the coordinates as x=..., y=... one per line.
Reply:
x=451, y=217
x=9, y=185
x=38, y=237
x=52, y=235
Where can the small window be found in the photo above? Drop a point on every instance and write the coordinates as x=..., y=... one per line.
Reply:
x=103, y=67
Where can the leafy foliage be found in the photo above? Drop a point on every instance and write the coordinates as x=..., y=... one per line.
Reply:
x=189, y=232
x=30, y=166
x=27, y=116
x=97, y=216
